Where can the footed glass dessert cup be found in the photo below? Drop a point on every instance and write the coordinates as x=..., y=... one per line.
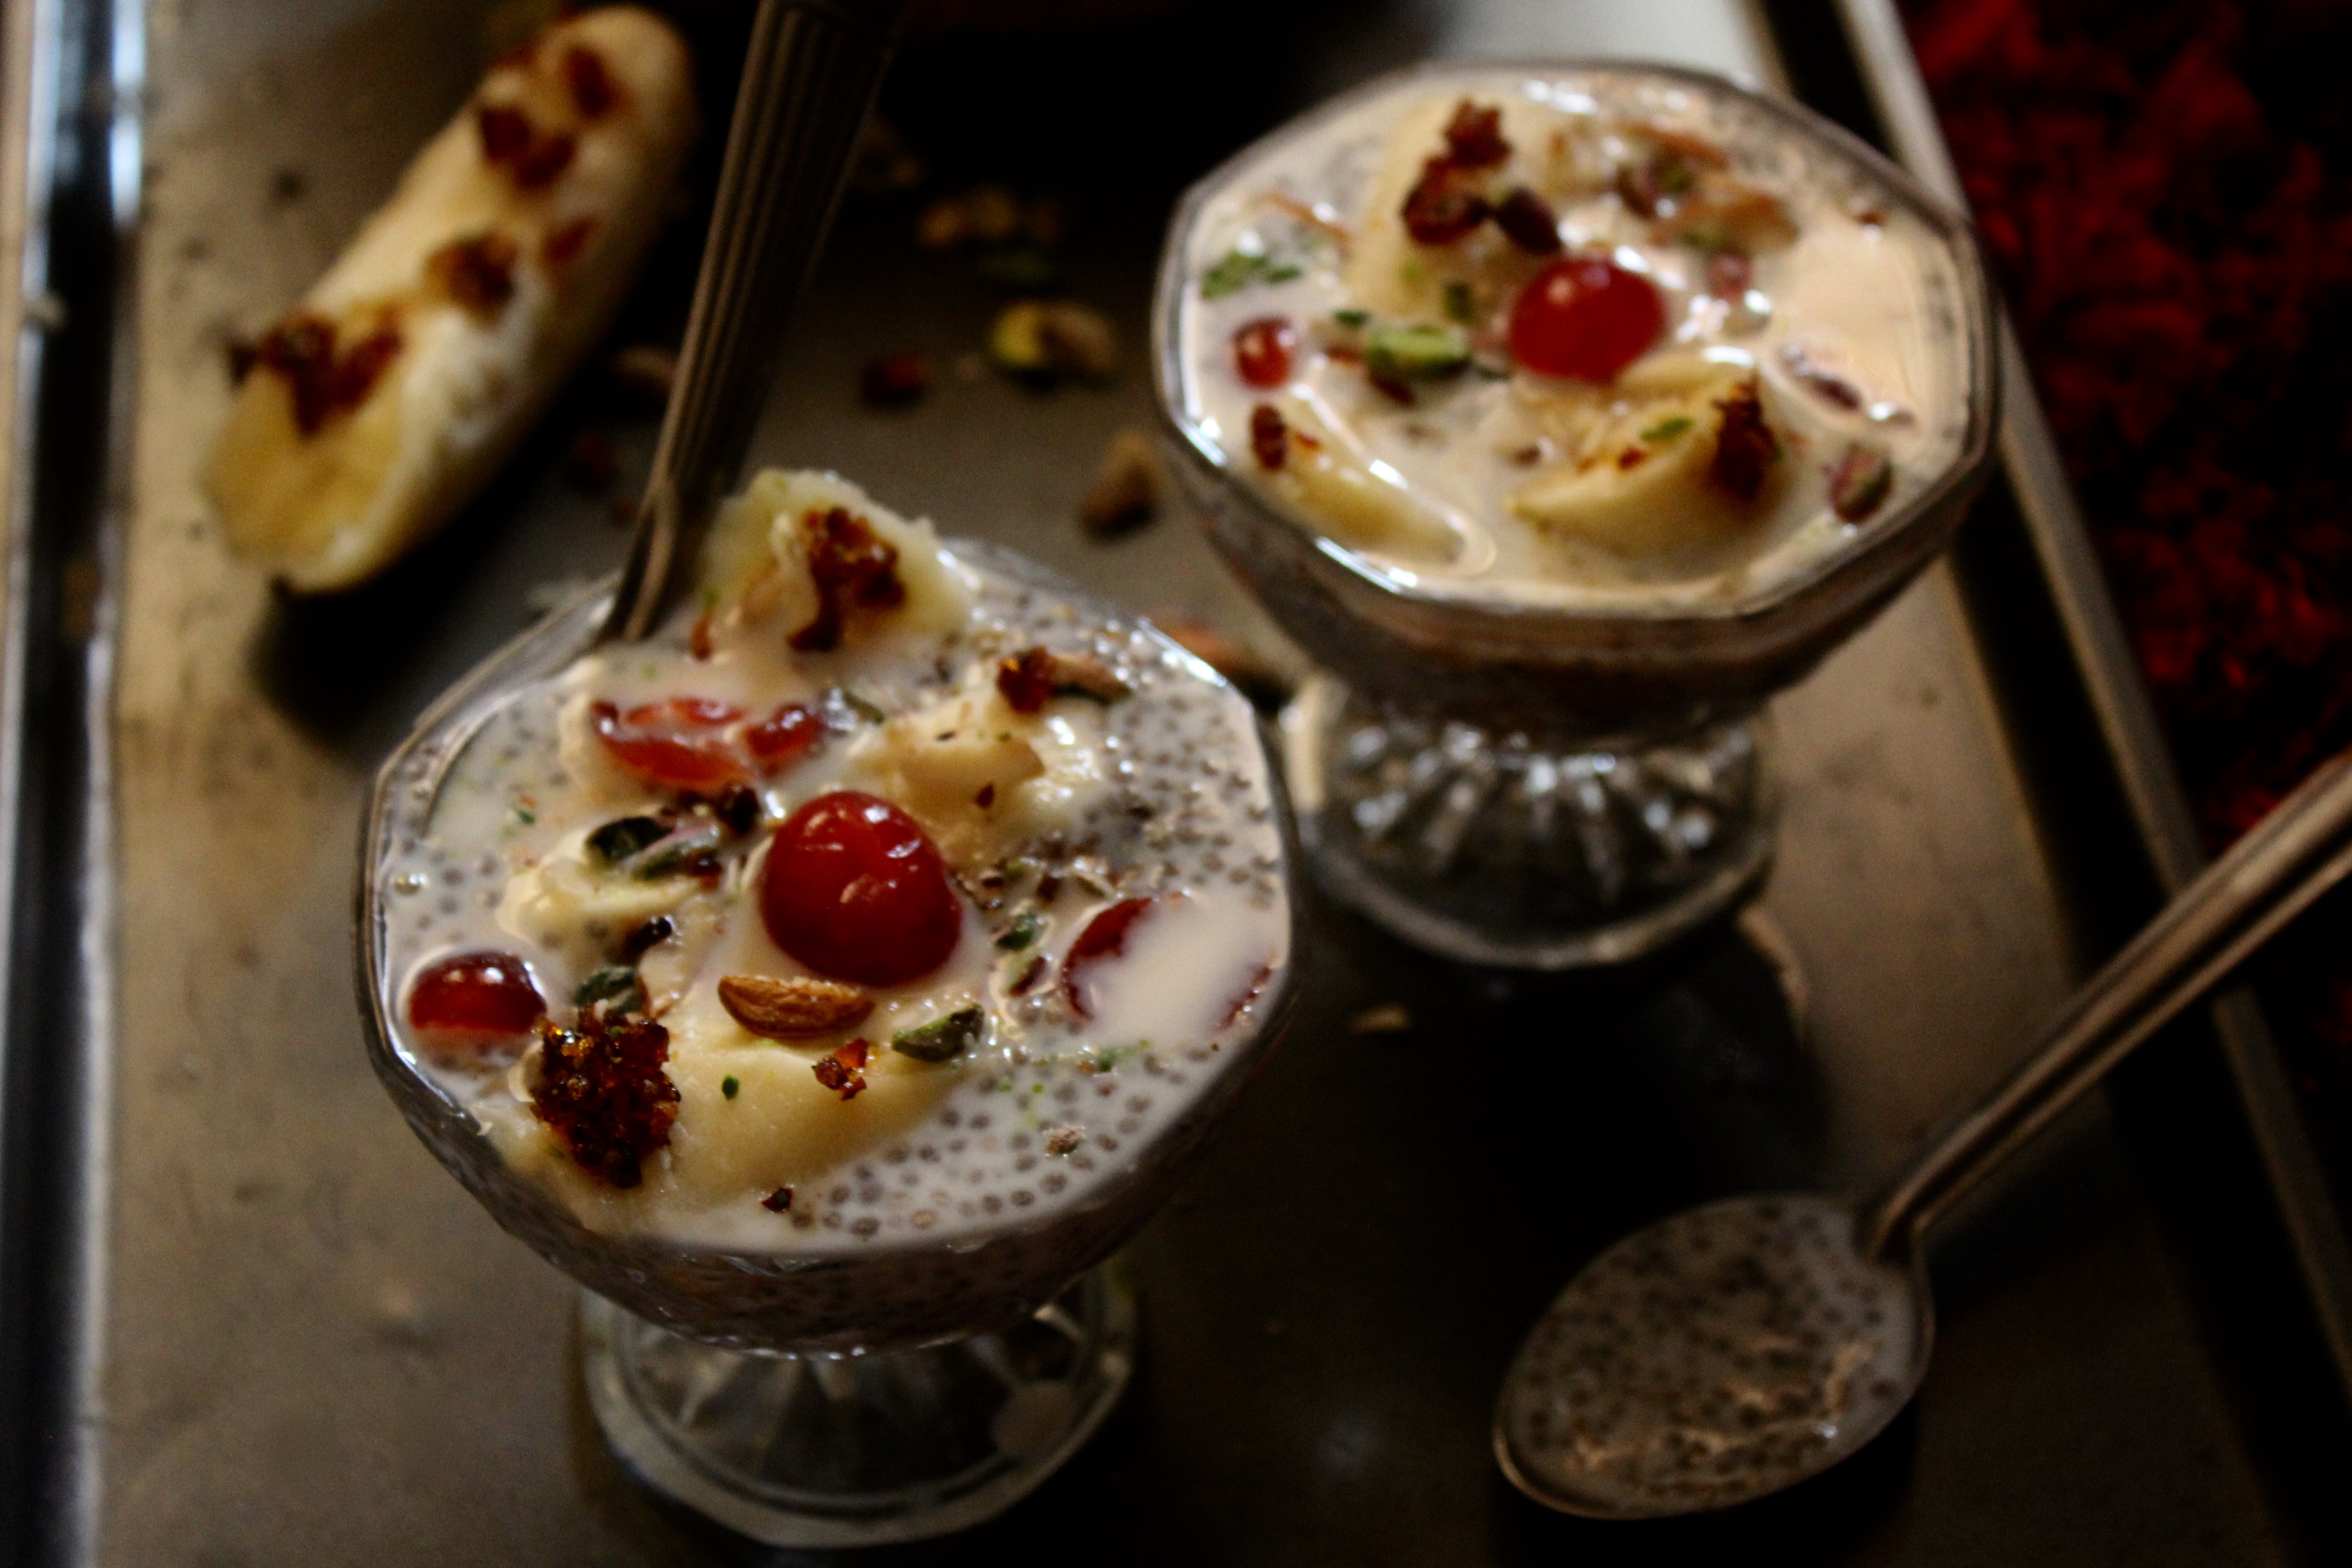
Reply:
x=1563, y=412
x=916, y=1342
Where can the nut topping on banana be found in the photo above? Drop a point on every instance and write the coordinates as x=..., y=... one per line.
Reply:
x=377, y=408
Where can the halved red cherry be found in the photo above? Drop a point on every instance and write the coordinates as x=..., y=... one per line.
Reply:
x=475, y=994
x=1585, y=317
x=855, y=888
x=675, y=743
x=1105, y=937
x=785, y=737
x=1262, y=350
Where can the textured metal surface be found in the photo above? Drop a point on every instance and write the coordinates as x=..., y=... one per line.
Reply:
x=317, y=1350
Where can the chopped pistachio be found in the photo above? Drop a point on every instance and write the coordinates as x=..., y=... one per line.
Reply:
x=859, y=706
x=1024, y=929
x=670, y=856
x=1237, y=269
x=623, y=836
x=1459, y=305
x=1415, y=353
x=614, y=984
x=943, y=1039
x=1668, y=429
x=730, y=1086
x=1860, y=482
x=1352, y=319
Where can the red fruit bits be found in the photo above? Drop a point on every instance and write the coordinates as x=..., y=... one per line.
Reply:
x=1262, y=350
x=856, y=890
x=475, y=998
x=1105, y=937
x=1585, y=317
x=676, y=744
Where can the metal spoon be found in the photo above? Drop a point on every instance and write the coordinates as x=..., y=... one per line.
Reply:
x=1733, y=1350
x=809, y=79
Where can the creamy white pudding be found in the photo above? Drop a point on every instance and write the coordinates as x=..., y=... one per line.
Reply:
x=884, y=904
x=1572, y=339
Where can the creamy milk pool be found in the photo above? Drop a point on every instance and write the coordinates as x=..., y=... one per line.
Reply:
x=1068, y=925
x=1575, y=339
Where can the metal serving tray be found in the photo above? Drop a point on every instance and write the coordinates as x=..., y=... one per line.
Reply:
x=248, y=1323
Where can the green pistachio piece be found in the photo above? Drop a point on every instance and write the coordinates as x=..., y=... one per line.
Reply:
x=1415, y=353
x=623, y=836
x=1024, y=929
x=614, y=984
x=943, y=1039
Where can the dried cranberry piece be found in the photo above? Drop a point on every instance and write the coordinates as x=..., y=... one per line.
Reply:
x=1473, y=137
x=594, y=91
x=843, y=1071
x=1745, y=446
x=855, y=888
x=506, y=131
x=851, y=565
x=1262, y=350
x=676, y=744
x=476, y=272
x=1528, y=222
x=1269, y=437
x=1441, y=209
x=325, y=380
x=1027, y=681
x=487, y=994
x=785, y=737
x=567, y=241
x=1585, y=317
x=1105, y=937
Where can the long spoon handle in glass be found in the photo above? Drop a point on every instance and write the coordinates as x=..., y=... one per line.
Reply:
x=2269, y=876
x=809, y=80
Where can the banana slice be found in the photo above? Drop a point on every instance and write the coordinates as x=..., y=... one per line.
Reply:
x=1649, y=472
x=1320, y=473
x=378, y=407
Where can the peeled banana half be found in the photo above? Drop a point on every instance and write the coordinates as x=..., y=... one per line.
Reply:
x=368, y=415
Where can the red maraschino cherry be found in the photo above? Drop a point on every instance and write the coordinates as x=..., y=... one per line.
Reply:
x=855, y=889
x=1585, y=317
x=479, y=994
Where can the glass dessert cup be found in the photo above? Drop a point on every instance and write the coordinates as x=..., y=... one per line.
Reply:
x=1539, y=777
x=850, y=1392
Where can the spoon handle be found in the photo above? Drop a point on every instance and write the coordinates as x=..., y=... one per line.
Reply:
x=809, y=79
x=2270, y=875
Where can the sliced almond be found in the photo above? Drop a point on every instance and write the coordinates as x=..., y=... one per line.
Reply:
x=792, y=1009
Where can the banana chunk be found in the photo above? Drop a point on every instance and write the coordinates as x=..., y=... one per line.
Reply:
x=378, y=407
x=1676, y=455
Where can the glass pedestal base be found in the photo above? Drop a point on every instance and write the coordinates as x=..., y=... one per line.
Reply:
x=860, y=1450
x=1526, y=853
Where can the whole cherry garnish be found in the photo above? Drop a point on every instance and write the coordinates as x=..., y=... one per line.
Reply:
x=675, y=743
x=855, y=889
x=1585, y=317
x=1262, y=350
x=484, y=994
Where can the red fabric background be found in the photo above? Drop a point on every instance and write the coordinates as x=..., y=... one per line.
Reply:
x=2166, y=191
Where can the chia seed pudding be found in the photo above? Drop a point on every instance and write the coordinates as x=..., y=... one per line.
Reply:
x=849, y=964
x=1723, y=1354
x=1588, y=340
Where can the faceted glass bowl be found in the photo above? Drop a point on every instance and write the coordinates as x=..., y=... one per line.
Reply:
x=1437, y=840
x=838, y=1398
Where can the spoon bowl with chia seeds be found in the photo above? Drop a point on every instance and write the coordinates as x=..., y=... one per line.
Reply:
x=1733, y=1350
